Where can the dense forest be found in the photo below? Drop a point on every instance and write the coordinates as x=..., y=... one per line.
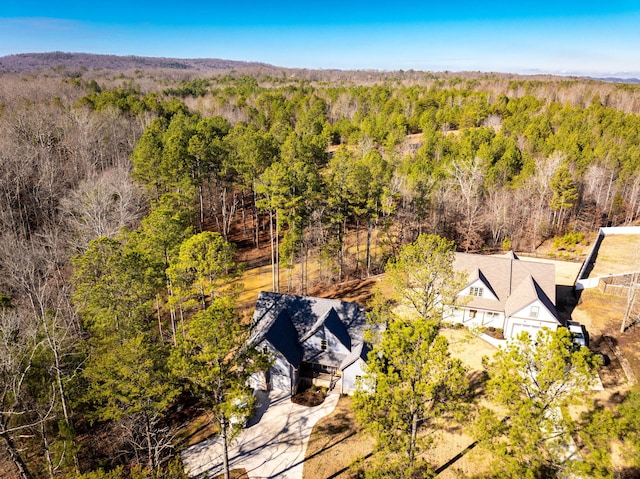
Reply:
x=124, y=196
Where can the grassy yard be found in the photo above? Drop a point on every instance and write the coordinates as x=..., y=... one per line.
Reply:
x=338, y=442
x=336, y=445
x=617, y=254
x=602, y=315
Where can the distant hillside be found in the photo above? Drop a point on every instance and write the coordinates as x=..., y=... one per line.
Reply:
x=37, y=61
x=619, y=80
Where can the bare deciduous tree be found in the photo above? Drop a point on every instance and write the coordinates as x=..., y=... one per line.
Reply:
x=102, y=205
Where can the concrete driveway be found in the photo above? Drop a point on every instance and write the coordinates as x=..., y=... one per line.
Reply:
x=272, y=445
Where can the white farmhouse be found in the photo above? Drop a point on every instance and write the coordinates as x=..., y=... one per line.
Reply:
x=507, y=293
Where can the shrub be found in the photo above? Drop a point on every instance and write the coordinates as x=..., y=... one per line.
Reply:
x=568, y=241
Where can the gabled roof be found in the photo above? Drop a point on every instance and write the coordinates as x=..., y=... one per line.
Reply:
x=511, y=255
x=333, y=323
x=476, y=275
x=504, y=275
x=526, y=293
x=305, y=312
x=283, y=337
x=304, y=317
x=359, y=352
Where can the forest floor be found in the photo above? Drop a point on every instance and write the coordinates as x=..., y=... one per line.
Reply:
x=257, y=275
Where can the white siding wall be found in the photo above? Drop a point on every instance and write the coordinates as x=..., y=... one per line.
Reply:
x=482, y=318
x=523, y=320
x=544, y=315
x=478, y=283
x=349, y=376
x=333, y=344
x=280, y=372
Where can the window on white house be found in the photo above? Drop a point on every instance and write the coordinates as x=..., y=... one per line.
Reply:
x=323, y=344
x=476, y=291
x=358, y=378
x=265, y=350
x=472, y=313
x=491, y=315
x=534, y=312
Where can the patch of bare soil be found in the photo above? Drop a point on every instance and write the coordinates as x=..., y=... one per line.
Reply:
x=309, y=396
x=235, y=474
x=192, y=421
x=337, y=445
x=357, y=290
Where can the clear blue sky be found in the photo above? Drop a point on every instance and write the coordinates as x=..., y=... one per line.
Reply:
x=562, y=36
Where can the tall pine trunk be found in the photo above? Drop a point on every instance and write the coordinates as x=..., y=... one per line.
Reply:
x=368, y=249
x=225, y=448
x=273, y=253
x=358, y=248
x=413, y=439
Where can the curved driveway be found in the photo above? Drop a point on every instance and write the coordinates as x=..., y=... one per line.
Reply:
x=273, y=444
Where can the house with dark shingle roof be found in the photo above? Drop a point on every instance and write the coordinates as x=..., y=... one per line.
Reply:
x=507, y=293
x=309, y=339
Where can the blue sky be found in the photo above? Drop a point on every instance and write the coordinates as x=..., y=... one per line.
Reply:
x=561, y=37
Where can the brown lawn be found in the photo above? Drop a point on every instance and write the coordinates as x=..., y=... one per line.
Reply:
x=337, y=442
x=602, y=315
x=617, y=254
x=336, y=445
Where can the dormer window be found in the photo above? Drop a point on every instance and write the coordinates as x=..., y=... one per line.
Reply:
x=476, y=291
x=534, y=312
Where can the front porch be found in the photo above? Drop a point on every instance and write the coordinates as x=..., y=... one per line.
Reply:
x=319, y=375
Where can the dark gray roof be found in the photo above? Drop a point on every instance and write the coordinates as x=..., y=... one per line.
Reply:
x=305, y=311
x=328, y=357
x=283, y=336
x=359, y=352
x=286, y=320
x=331, y=320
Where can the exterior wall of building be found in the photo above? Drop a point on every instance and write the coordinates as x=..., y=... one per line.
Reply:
x=350, y=374
x=531, y=319
x=535, y=311
x=258, y=381
x=281, y=375
x=315, y=343
x=477, y=318
x=478, y=285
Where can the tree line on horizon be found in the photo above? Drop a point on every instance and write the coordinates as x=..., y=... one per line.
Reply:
x=119, y=206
